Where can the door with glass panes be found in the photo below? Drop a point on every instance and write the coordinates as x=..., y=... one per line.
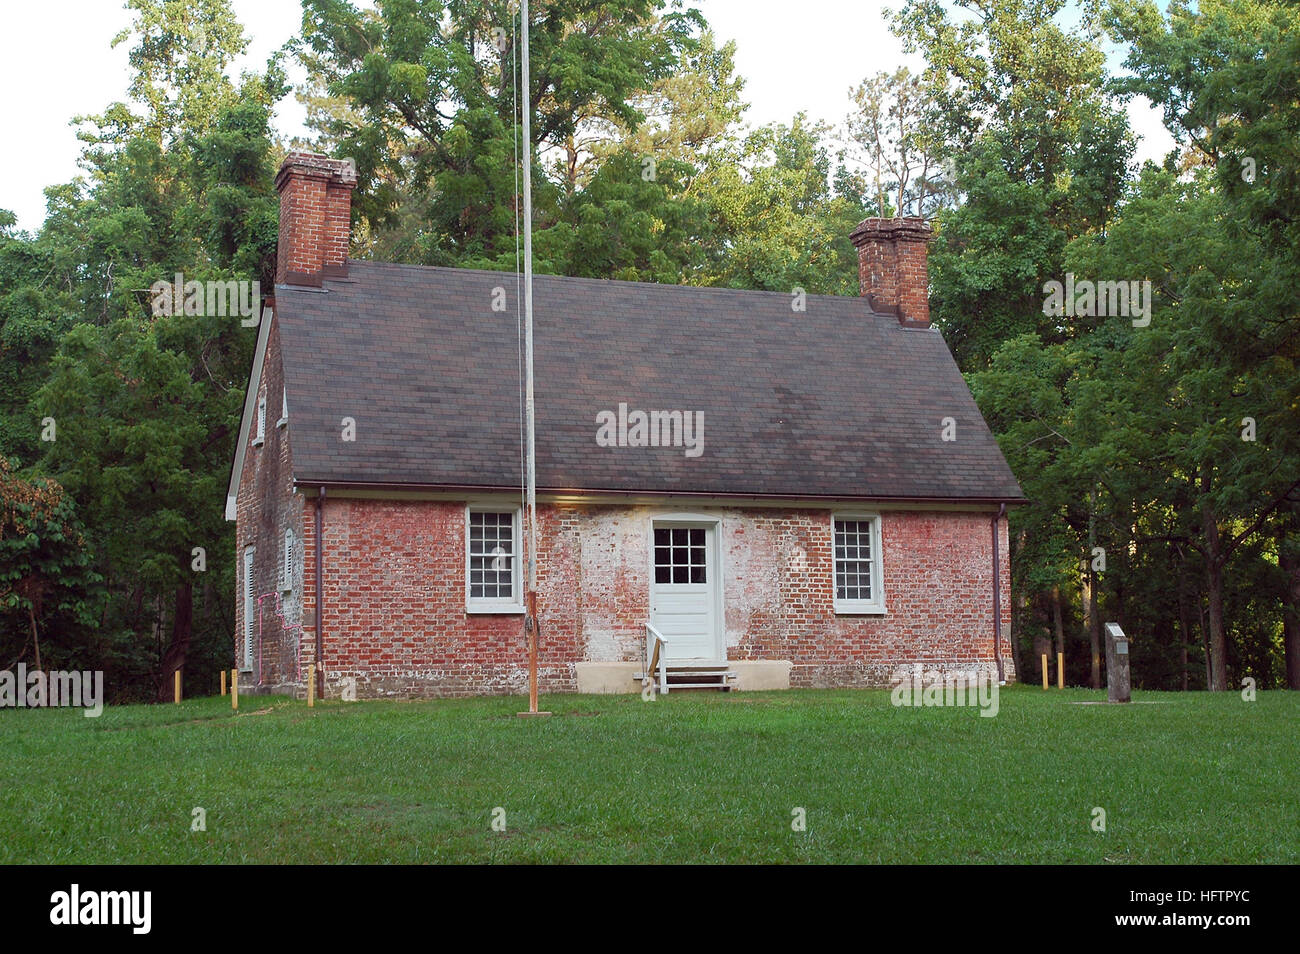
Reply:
x=683, y=592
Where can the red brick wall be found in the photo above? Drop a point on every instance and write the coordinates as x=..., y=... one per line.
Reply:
x=266, y=506
x=937, y=569
x=395, y=618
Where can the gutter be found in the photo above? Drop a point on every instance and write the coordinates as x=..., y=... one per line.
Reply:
x=997, y=596
x=320, y=605
x=595, y=492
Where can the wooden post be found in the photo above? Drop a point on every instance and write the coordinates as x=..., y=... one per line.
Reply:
x=234, y=688
x=532, y=642
x=530, y=604
x=178, y=686
x=1060, y=670
x=1044, y=672
x=311, y=685
x=223, y=682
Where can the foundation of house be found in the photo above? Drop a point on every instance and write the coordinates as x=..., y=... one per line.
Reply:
x=616, y=677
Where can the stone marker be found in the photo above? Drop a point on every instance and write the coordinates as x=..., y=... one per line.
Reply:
x=1117, y=680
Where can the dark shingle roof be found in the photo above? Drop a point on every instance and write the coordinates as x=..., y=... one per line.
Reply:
x=834, y=401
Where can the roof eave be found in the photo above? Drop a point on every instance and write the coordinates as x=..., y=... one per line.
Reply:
x=307, y=483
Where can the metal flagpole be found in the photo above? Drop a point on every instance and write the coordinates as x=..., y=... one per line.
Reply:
x=530, y=600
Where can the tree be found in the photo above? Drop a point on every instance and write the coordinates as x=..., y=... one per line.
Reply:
x=147, y=407
x=1038, y=153
x=779, y=222
x=46, y=580
x=891, y=128
x=431, y=106
x=1189, y=445
x=1226, y=76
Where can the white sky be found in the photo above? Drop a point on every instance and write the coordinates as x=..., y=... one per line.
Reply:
x=791, y=61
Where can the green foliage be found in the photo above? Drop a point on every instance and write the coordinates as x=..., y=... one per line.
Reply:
x=432, y=111
x=1038, y=153
x=47, y=587
x=778, y=221
x=147, y=407
x=1124, y=437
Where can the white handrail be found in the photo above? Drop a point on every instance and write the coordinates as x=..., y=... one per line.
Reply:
x=657, y=655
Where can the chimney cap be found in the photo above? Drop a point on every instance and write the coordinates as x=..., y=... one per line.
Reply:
x=309, y=164
x=908, y=228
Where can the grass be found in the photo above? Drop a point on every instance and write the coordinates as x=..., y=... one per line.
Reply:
x=1191, y=778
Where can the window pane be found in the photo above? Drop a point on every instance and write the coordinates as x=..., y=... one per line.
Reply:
x=491, y=553
x=852, y=557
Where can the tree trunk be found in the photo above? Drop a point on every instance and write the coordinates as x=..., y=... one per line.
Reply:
x=1184, y=625
x=1091, y=621
x=1041, y=643
x=571, y=165
x=36, y=640
x=1214, y=593
x=1205, y=639
x=174, y=657
x=1020, y=608
x=1058, y=626
x=1091, y=615
x=1288, y=559
x=1094, y=639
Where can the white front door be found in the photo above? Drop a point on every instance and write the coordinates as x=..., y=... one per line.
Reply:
x=684, y=590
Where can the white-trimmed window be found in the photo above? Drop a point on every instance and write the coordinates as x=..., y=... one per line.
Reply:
x=492, y=564
x=250, y=607
x=284, y=408
x=286, y=577
x=855, y=548
x=260, y=436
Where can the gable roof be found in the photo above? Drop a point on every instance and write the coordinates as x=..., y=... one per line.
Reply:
x=835, y=401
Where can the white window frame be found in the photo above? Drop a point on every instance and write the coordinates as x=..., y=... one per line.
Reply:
x=515, y=602
x=284, y=408
x=876, y=605
x=260, y=437
x=286, y=578
x=250, y=608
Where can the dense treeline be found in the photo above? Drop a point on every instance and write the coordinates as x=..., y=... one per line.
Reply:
x=1159, y=447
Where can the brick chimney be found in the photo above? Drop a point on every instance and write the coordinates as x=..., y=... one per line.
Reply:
x=315, y=218
x=892, y=273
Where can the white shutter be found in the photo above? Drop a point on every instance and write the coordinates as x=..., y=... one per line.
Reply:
x=261, y=421
x=250, y=607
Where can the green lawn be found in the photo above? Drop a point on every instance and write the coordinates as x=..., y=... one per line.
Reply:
x=691, y=777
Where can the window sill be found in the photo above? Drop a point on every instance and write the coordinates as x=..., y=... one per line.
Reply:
x=258, y=442
x=502, y=609
x=860, y=609
x=282, y=422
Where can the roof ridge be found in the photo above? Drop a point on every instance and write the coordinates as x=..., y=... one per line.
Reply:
x=538, y=276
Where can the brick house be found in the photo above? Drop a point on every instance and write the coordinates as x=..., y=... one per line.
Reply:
x=793, y=492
